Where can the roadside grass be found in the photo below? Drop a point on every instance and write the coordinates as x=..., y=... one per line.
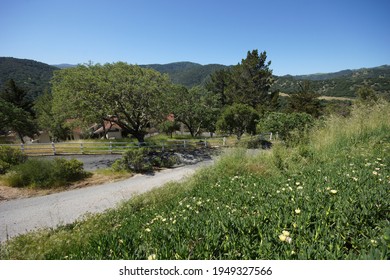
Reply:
x=326, y=198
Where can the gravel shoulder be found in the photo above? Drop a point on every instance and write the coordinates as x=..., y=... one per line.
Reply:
x=23, y=215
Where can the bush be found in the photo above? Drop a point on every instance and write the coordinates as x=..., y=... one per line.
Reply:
x=134, y=160
x=69, y=170
x=143, y=160
x=255, y=143
x=38, y=173
x=163, y=159
x=10, y=157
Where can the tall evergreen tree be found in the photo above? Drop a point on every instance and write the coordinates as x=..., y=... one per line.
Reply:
x=218, y=84
x=252, y=80
x=16, y=111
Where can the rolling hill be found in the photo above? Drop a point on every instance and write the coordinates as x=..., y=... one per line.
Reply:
x=340, y=84
x=35, y=76
x=188, y=74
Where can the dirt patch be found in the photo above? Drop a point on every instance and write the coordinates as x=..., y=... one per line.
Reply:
x=9, y=193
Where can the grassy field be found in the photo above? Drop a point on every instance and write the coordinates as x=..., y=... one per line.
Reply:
x=326, y=198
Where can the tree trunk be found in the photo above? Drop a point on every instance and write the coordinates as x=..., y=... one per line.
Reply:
x=21, y=137
x=140, y=137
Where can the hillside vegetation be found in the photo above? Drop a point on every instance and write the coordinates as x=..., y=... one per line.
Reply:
x=186, y=73
x=35, y=77
x=340, y=84
x=325, y=198
x=32, y=76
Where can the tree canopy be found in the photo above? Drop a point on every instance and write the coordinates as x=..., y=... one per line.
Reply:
x=238, y=119
x=16, y=111
x=196, y=108
x=249, y=82
x=128, y=95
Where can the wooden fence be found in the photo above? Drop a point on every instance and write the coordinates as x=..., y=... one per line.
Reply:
x=113, y=147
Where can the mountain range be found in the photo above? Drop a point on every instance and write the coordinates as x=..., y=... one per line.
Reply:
x=35, y=77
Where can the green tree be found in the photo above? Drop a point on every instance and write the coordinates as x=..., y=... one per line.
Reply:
x=305, y=100
x=366, y=95
x=16, y=111
x=131, y=96
x=218, y=84
x=238, y=119
x=251, y=81
x=286, y=124
x=49, y=121
x=196, y=108
x=169, y=127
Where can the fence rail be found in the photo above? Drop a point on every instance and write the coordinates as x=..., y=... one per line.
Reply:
x=112, y=147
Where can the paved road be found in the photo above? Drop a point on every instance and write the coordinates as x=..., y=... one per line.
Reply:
x=23, y=215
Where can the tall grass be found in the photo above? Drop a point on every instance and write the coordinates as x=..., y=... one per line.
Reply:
x=367, y=125
x=327, y=198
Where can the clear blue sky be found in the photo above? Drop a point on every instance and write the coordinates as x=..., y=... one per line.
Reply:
x=299, y=36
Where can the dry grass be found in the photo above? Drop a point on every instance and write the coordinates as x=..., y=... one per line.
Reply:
x=97, y=178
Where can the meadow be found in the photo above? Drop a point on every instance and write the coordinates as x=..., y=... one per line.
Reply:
x=326, y=197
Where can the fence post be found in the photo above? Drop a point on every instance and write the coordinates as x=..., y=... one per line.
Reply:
x=22, y=148
x=270, y=136
x=81, y=148
x=205, y=142
x=184, y=144
x=54, y=148
x=110, y=147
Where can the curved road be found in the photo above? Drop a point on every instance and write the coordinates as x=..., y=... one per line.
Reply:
x=23, y=215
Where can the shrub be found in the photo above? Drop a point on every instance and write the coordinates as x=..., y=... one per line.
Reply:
x=163, y=159
x=10, y=157
x=134, y=160
x=69, y=170
x=38, y=173
x=143, y=160
x=255, y=143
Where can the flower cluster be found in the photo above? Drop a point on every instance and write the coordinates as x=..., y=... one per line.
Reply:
x=285, y=236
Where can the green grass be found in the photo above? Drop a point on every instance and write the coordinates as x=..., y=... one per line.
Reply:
x=39, y=173
x=327, y=198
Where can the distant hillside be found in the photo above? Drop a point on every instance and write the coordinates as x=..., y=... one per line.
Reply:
x=188, y=74
x=342, y=84
x=31, y=75
x=64, y=65
x=35, y=76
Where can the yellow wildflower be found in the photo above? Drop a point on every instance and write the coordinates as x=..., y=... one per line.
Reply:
x=297, y=211
x=282, y=237
x=152, y=257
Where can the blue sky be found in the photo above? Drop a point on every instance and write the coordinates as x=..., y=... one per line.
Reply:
x=300, y=36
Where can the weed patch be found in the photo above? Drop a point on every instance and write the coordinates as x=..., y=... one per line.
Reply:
x=37, y=173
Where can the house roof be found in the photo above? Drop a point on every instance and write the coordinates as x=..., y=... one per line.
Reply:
x=108, y=125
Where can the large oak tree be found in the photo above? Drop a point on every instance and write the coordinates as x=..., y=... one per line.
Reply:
x=131, y=96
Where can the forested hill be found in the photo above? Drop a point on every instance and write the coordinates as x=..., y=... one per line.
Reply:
x=342, y=84
x=32, y=76
x=188, y=74
x=35, y=76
